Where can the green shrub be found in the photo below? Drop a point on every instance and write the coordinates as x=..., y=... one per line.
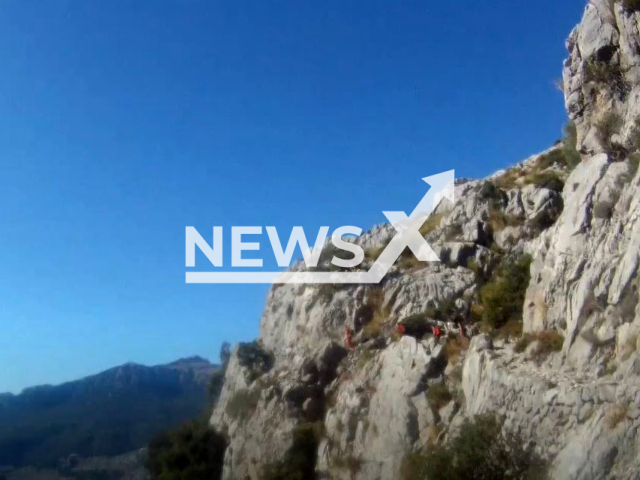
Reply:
x=438, y=395
x=191, y=452
x=502, y=298
x=418, y=319
x=472, y=265
x=565, y=156
x=549, y=180
x=554, y=158
x=605, y=73
x=479, y=451
x=299, y=462
x=444, y=311
x=489, y=192
x=255, y=359
x=631, y=5
x=413, y=466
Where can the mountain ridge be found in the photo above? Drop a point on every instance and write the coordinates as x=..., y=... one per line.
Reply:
x=109, y=413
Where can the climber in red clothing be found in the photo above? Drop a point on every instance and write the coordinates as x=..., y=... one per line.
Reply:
x=437, y=332
x=348, y=338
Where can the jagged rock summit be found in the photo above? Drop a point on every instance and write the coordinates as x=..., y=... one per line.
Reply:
x=542, y=258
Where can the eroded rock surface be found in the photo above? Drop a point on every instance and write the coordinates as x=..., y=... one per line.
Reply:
x=568, y=384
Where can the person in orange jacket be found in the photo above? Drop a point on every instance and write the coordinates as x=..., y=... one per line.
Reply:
x=348, y=338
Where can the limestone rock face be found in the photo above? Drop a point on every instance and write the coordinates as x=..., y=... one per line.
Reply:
x=585, y=276
x=602, y=77
x=588, y=426
x=380, y=411
x=569, y=385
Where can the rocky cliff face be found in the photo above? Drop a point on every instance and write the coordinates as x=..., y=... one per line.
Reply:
x=602, y=77
x=557, y=360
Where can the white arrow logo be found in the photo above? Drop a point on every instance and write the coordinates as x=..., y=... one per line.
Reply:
x=408, y=228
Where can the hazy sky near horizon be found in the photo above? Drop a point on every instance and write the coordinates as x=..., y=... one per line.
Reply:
x=124, y=122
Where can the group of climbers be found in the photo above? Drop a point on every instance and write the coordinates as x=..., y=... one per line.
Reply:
x=418, y=330
x=416, y=325
x=348, y=338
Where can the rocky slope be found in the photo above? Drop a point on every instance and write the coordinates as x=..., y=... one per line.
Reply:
x=561, y=369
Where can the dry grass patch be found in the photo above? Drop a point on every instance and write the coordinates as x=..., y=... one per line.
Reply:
x=454, y=347
x=372, y=254
x=549, y=180
x=511, y=329
x=616, y=414
x=522, y=344
x=431, y=224
x=510, y=179
x=408, y=261
x=547, y=342
x=380, y=316
x=498, y=220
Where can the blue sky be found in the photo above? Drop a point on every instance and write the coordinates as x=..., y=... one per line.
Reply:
x=123, y=122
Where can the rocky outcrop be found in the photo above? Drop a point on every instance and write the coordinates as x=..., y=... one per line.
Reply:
x=379, y=410
x=561, y=370
x=602, y=77
x=585, y=275
x=587, y=425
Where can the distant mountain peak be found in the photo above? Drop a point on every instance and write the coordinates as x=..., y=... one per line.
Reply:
x=194, y=360
x=122, y=408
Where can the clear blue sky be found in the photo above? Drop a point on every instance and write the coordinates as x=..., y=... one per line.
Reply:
x=123, y=122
